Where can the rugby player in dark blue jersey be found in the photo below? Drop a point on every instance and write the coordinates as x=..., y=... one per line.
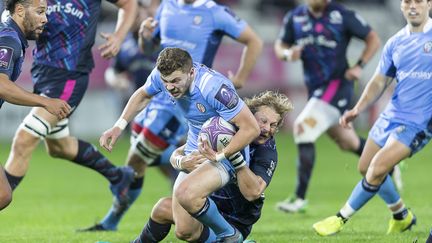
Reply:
x=63, y=61
x=240, y=203
x=26, y=22
x=318, y=33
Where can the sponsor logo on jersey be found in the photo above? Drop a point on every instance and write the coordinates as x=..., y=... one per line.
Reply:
x=335, y=17
x=227, y=96
x=6, y=54
x=197, y=20
x=67, y=8
x=427, y=47
x=201, y=107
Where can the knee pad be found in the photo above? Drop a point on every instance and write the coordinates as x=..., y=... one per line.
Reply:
x=146, y=150
x=36, y=126
x=316, y=118
x=61, y=130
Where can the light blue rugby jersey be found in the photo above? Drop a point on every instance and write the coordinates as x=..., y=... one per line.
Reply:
x=211, y=94
x=408, y=58
x=197, y=28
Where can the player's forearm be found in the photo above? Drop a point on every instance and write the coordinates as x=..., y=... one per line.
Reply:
x=136, y=103
x=248, y=130
x=372, y=43
x=249, y=57
x=14, y=94
x=126, y=17
x=372, y=92
x=251, y=186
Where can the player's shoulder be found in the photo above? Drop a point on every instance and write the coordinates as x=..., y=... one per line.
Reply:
x=399, y=35
x=208, y=80
x=9, y=38
x=8, y=32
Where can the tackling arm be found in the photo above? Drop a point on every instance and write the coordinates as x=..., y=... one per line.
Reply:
x=250, y=185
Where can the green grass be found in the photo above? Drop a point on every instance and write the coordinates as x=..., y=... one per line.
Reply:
x=57, y=197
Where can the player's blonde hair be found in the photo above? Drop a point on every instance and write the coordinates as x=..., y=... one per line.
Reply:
x=280, y=103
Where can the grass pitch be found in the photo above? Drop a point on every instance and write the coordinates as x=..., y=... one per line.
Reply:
x=57, y=197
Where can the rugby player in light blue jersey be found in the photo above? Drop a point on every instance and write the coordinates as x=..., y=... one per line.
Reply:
x=201, y=93
x=240, y=203
x=26, y=22
x=211, y=22
x=403, y=128
x=61, y=68
x=198, y=27
x=319, y=32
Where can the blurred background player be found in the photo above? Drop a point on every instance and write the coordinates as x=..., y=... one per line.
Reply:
x=172, y=26
x=169, y=31
x=201, y=93
x=240, y=203
x=61, y=67
x=26, y=22
x=403, y=128
x=129, y=69
x=156, y=131
x=318, y=33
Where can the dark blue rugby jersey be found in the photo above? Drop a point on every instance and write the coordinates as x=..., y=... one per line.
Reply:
x=69, y=35
x=325, y=40
x=12, y=49
x=229, y=200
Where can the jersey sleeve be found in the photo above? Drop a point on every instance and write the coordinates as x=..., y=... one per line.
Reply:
x=286, y=34
x=227, y=21
x=264, y=162
x=153, y=85
x=386, y=65
x=356, y=25
x=220, y=93
x=10, y=52
x=157, y=17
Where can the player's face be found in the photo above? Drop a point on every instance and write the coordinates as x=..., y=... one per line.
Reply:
x=316, y=5
x=178, y=82
x=416, y=12
x=268, y=121
x=35, y=19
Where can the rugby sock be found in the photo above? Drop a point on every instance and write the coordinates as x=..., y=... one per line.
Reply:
x=116, y=212
x=361, y=194
x=429, y=239
x=207, y=235
x=14, y=181
x=400, y=214
x=90, y=157
x=153, y=232
x=305, y=165
x=209, y=215
x=388, y=191
x=361, y=146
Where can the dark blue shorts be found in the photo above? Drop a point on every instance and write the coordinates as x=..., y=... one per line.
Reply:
x=67, y=85
x=337, y=92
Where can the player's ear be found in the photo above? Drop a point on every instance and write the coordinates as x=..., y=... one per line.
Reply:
x=20, y=10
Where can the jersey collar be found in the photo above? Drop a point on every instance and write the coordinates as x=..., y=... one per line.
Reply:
x=426, y=28
x=10, y=22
